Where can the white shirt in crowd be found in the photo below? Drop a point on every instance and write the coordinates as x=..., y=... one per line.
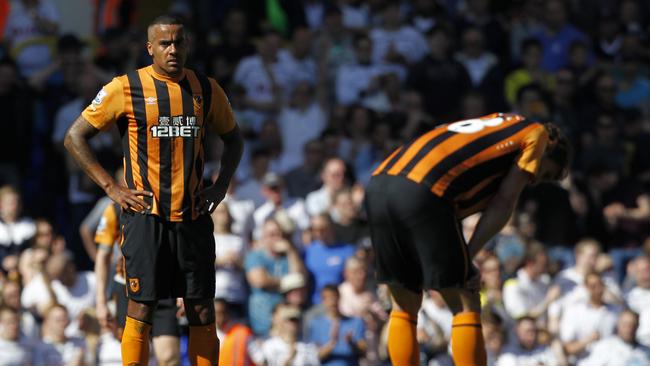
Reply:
x=275, y=352
x=522, y=294
x=79, y=297
x=580, y=320
x=14, y=353
x=297, y=127
x=294, y=208
x=318, y=201
x=433, y=318
x=638, y=299
x=572, y=289
x=231, y=283
x=58, y=354
x=298, y=70
x=253, y=76
x=16, y=233
x=407, y=41
x=477, y=68
x=353, y=79
x=109, y=351
x=613, y=351
x=241, y=212
x=515, y=355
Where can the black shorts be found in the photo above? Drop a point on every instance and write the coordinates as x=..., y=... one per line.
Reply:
x=416, y=236
x=168, y=259
x=165, y=322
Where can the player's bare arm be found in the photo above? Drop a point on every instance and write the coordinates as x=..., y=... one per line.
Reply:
x=210, y=197
x=102, y=263
x=76, y=142
x=499, y=210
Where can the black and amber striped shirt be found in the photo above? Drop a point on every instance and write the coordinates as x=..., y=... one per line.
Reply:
x=466, y=161
x=163, y=124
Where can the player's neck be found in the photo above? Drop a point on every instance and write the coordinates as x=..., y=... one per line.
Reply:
x=161, y=74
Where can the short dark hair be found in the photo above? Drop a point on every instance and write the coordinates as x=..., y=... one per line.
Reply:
x=166, y=19
x=331, y=288
x=559, y=150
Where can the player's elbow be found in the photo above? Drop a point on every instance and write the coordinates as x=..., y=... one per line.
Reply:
x=70, y=138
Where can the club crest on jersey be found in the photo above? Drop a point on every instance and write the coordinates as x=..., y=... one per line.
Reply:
x=134, y=285
x=176, y=126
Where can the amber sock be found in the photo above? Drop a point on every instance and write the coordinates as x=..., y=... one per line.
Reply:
x=467, y=345
x=402, y=340
x=204, y=345
x=135, y=343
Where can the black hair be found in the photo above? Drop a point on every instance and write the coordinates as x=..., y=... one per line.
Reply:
x=166, y=19
x=559, y=148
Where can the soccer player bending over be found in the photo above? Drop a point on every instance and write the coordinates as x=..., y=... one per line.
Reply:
x=418, y=195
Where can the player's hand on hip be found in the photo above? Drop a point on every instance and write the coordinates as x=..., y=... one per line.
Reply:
x=129, y=199
x=210, y=197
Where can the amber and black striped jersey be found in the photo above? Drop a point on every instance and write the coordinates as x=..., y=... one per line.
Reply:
x=163, y=123
x=108, y=234
x=466, y=161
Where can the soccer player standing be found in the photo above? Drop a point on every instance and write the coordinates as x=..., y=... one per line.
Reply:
x=415, y=200
x=163, y=113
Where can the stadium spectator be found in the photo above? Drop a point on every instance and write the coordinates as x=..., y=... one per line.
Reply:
x=349, y=227
x=29, y=327
x=359, y=78
x=333, y=179
x=56, y=348
x=263, y=79
x=557, y=36
x=297, y=61
x=526, y=349
x=15, y=230
x=15, y=352
x=621, y=348
x=249, y=188
x=273, y=257
x=638, y=298
x=289, y=212
x=529, y=72
x=340, y=340
x=305, y=178
x=285, y=347
x=439, y=68
x=241, y=212
x=301, y=120
x=325, y=256
x=293, y=287
x=583, y=323
x=230, y=252
x=529, y=294
x=234, y=335
x=395, y=42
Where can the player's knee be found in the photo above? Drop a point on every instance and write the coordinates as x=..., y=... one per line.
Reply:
x=406, y=300
x=461, y=300
x=142, y=311
x=199, y=312
x=167, y=350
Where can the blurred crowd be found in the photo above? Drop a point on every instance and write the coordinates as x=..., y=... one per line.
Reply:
x=324, y=90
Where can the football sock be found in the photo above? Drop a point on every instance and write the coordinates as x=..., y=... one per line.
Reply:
x=467, y=345
x=135, y=343
x=402, y=340
x=204, y=345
